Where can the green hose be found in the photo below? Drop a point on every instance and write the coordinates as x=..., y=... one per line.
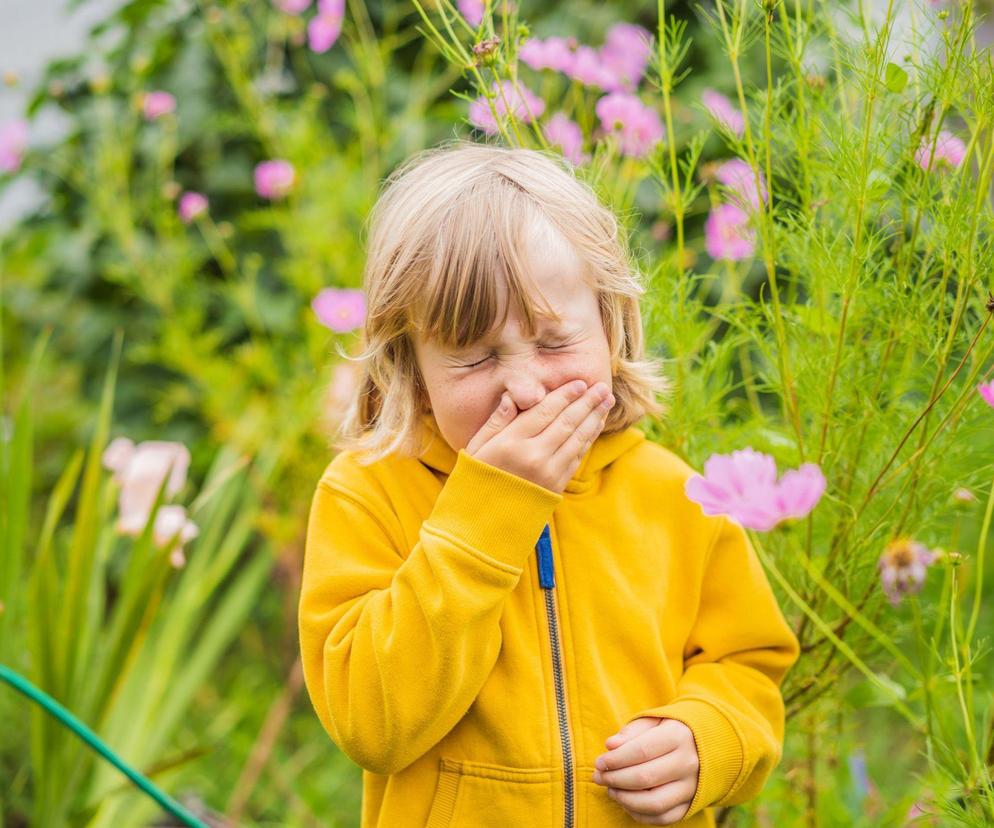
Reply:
x=20, y=683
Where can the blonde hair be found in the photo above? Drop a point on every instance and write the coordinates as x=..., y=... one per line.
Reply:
x=448, y=224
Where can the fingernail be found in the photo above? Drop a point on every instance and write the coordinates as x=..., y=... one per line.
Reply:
x=600, y=764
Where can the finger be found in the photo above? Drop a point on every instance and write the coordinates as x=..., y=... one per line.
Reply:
x=632, y=728
x=505, y=411
x=657, y=801
x=540, y=416
x=651, y=743
x=645, y=775
x=580, y=424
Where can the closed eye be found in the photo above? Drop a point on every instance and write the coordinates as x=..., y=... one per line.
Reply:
x=547, y=347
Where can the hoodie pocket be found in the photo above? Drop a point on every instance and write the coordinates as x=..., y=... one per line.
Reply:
x=484, y=795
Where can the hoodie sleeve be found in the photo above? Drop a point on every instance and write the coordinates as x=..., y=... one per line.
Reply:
x=396, y=643
x=735, y=658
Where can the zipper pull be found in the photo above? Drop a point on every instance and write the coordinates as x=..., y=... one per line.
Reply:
x=546, y=572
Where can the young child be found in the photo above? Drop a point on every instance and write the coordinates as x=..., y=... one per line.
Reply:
x=511, y=615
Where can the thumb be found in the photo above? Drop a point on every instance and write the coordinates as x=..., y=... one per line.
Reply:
x=505, y=407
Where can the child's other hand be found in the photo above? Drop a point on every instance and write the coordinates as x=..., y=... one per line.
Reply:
x=651, y=769
x=545, y=443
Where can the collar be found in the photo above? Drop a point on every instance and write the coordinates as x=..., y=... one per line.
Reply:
x=605, y=449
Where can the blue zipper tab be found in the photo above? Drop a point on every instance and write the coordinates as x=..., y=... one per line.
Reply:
x=546, y=572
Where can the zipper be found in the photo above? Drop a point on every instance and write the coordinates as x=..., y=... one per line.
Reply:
x=547, y=578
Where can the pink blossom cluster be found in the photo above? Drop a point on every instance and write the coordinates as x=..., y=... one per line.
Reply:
x=744, y=486
x=617, y=68
x=728, y=231
x=325, y=27
x=140, y=471
x=524, y=103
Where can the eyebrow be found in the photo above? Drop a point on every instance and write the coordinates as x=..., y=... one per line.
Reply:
x=563, y=325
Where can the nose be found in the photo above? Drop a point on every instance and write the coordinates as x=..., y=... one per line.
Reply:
x=525, y=388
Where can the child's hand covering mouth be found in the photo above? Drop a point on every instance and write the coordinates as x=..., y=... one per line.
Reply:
x=524, y=444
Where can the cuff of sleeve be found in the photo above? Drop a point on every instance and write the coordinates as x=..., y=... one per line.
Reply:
x=491, y=510
x=719, y=748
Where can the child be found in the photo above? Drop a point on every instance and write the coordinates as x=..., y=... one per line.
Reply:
x=501, y=571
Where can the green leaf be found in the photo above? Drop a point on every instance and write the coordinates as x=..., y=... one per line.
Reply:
x=895, y=78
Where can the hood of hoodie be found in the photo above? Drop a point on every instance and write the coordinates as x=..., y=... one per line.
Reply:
x=607, y=448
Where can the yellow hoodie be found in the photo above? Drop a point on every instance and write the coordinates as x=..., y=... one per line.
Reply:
x=470, y=638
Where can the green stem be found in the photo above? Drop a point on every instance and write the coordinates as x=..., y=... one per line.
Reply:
x=844, y=648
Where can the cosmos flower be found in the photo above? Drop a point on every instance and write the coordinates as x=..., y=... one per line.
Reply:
x=727, y=234
x=191, y=205
x=472, y=10
x=723, y=111
x=744, y=486
x=567, y=135
x=740, y=179
x=156, y=104
x=637, y=126
x=554, y=53
x=949, y=151
x=326, y=25
x=525, y=104
x=902, y=567
x=340, y=309
x=274, y=178
x=625, y=56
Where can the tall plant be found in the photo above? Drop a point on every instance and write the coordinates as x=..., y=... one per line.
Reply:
x=120, y=628
x=820, y=274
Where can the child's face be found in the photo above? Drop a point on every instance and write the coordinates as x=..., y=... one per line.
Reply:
x=463, y=398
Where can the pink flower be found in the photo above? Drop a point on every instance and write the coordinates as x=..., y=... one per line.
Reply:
x=588, y=68
x=191, y=205
x=637, y=125
x=566, y=134
x=738, y=176
x=157, y=104
x=723, y=111
x=13, y=144
x=472, y=10
x=341, y=309
x=799, y=490
x=987, y=392
x=141, y=471
x=326, y=25
x=552, y=53
x=625, y=55
x=274, y=178
x=948, y=150
x=743, y=485
x=293, y=6
x=727, y=234
x=481, y=117
x=902, y=567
